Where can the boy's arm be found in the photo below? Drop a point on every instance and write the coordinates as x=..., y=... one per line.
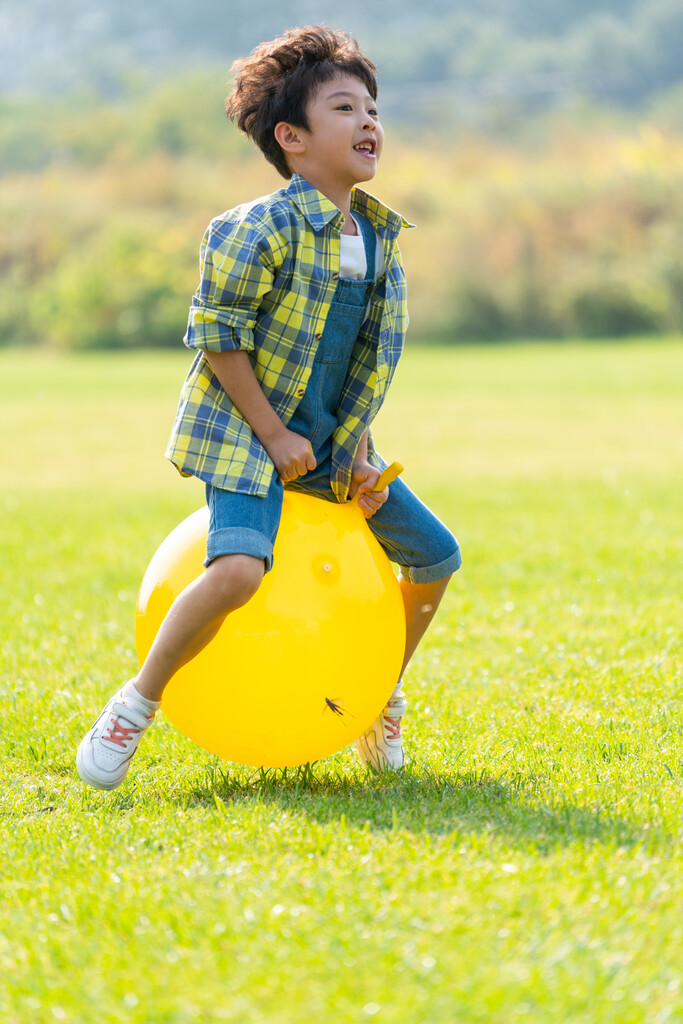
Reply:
x=238, y=263
x=363, y=478
x=291, y=453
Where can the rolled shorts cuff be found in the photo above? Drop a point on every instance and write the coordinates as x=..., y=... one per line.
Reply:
x=430, y=573
x=238, y=540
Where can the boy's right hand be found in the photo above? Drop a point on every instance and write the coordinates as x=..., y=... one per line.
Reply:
x=292, y=455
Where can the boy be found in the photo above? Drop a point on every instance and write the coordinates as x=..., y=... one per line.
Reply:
x=298, y=323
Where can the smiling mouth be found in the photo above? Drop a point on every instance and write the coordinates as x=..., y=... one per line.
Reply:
x=365, y=148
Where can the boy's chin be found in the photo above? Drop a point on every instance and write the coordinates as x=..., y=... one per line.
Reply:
x=368, y=175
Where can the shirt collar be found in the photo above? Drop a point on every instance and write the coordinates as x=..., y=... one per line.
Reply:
x=320, y=211
x=380, y=216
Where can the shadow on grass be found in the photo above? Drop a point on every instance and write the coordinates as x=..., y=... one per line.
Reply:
x=417, y=799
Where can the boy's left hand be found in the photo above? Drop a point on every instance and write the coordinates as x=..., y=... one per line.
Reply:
x=364, y=478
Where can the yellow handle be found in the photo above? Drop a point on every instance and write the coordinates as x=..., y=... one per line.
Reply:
x=389, y=474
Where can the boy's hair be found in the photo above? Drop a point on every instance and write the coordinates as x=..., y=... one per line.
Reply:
x=277, y=80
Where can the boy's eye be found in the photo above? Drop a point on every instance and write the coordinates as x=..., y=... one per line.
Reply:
x=373, y=112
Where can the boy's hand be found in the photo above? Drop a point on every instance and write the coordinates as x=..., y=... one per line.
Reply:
x=364, y=477
x=292, y=455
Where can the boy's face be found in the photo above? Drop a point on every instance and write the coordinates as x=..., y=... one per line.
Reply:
x=344, y=139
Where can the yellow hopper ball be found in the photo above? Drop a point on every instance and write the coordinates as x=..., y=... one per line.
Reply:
x=302, y=669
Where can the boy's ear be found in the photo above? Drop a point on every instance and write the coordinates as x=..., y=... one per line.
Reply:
x=289, y=137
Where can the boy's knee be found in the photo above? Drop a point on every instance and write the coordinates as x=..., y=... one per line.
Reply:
x=235, y=579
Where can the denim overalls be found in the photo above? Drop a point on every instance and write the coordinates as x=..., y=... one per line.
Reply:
x=315, y=416
x=409, y=532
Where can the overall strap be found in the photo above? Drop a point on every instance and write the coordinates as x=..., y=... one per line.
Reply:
x=370, y=242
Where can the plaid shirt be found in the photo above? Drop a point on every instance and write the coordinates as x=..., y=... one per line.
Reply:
x=269, y=270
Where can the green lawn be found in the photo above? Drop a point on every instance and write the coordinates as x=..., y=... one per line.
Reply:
x=528, y=862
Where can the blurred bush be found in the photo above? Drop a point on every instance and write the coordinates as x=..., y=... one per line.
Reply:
x=576, y=230
x=579, y=235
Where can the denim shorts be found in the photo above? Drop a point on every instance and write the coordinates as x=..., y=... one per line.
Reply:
x=411, y=535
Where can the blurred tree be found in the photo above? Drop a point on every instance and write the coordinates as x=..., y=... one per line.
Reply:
x=635, y=45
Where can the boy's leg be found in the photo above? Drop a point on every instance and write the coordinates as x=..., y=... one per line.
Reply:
x=382, y=744
x=230, y=580
x=428, y=555
x=195, y=617
x=420, y=601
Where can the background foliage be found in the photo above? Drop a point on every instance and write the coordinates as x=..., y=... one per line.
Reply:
x=624, y=50
x=538, y=147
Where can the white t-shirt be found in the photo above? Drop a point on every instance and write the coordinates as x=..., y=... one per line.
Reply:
x=352, y=261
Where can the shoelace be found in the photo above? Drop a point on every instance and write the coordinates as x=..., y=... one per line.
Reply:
x=392, y=728
x=392, y=715
x=119, y=734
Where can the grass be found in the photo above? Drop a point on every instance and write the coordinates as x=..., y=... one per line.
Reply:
x=528, y=862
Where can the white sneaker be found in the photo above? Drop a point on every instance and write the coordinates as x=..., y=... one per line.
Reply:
x=105, y=753
x=381, y=746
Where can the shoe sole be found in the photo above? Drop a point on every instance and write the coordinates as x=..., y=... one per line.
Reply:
x=92, y=780
x=367, y=757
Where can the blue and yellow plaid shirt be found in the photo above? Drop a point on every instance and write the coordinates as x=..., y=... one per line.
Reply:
x=269, y=270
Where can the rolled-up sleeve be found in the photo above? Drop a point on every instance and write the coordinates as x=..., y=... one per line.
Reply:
x=237, y=269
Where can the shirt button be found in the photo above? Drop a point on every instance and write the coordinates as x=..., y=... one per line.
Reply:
x=318, y=337
x=335, y=277
x=301, y=392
